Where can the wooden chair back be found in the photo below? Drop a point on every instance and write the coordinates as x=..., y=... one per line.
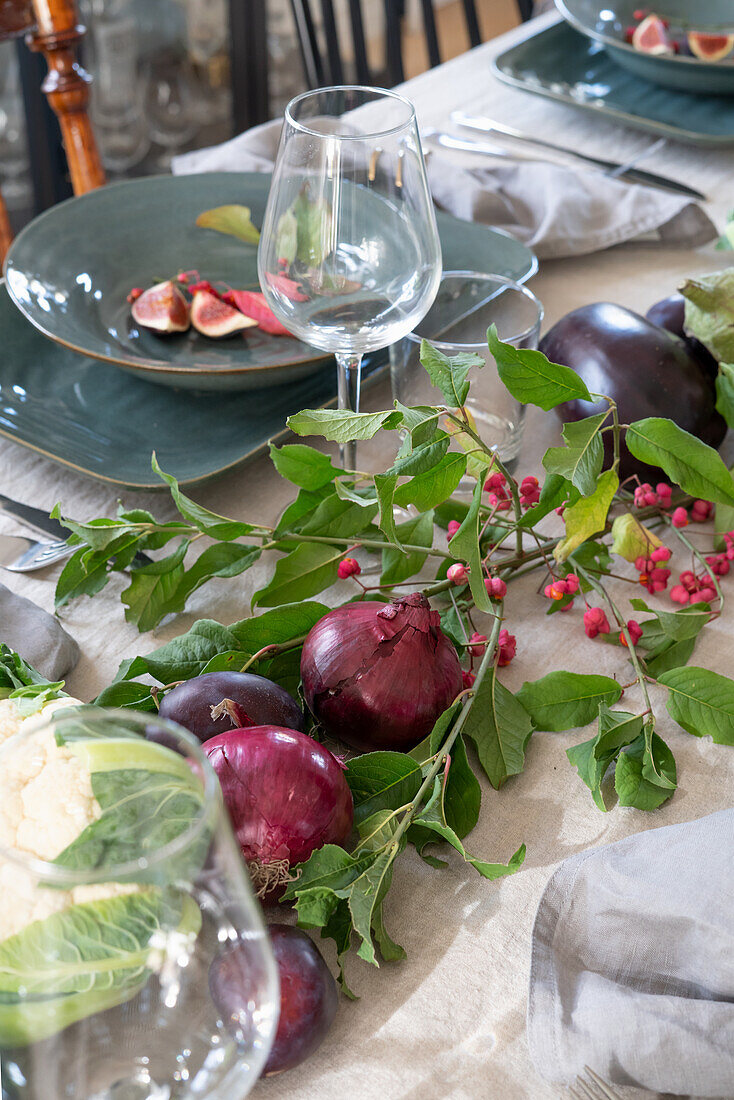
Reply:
x=52, y=27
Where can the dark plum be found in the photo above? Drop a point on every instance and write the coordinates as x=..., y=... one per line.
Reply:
x=644, y=368
x=670, y=314
x=308, y=995
x=258, y=702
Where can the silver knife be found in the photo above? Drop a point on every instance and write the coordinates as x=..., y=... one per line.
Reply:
x=34, y=517
x=634, y=175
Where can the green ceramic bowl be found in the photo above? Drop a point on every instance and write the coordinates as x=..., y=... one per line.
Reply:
x=606, y=22
x=71, y=269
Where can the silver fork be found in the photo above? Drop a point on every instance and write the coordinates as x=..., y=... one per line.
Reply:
x=22, y=555
x=592, y=1087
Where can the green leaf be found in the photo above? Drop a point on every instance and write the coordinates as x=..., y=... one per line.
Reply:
x=723, y=523
x=587, y=516
x=382, y=781
x=433, y=486
x=375, y=831
x=363, y=896
x=82, y=575
x=564, y=700
x=531, y=378
x=303, y=466
x=302, y=573
x=127, y=693
x=313, y=221
x=709, y=314
x=499, y=727
x=465, y=545
x=462, y=795
x=299, y=511
x=15, y=673
x=631, y=781
x=592, y=758
x=390, y=951
x=580, y=461
x=183, y=657
x=702, y=702
x=233, y=219
x=556, y=491
x=670, y=655
x=339, y=518
x=152, y=589
x=725, y=392
x=449, y=373
x=398, y=566
x=631, y=540
x=341, y=425
x=283, y=624
x=223, y=559
x=217, y=527
x=679, y=625
x=385, y=489
x=696, y=467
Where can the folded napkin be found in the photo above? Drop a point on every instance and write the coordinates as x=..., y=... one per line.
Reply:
x=39, y=638
x=632, y=967
x=555, y=210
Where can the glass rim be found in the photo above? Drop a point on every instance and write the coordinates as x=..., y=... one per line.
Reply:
x=50, y=872
x=368, y=135
x=485, y=276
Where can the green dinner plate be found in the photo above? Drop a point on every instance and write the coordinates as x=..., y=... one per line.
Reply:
x=71, y=269
x=103, y=422
x=606, y=22
x=561, y=64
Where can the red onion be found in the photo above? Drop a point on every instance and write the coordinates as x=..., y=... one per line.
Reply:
x=286, y=796
x=378, y=675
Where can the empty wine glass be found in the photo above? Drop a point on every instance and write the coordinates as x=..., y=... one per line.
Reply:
x=349, y=257
x=123, y=888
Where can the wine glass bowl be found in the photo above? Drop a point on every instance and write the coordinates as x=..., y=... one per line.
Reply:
x=349, y=257
x=117, y=910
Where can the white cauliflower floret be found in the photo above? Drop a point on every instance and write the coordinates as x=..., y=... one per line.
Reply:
x=46, y=802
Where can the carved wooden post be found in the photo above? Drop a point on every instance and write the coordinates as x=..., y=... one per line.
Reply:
x=6, y=234
x=67, y=87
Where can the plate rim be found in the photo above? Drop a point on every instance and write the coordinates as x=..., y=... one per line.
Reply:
x=638, y=122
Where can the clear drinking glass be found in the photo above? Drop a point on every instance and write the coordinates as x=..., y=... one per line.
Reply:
x=122, y=889
x=466, y=304
x=349, y=257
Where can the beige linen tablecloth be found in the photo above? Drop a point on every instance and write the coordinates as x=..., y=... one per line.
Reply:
x=450, y=1021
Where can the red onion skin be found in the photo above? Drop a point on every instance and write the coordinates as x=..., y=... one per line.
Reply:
x=377, y=676
x=286, y=794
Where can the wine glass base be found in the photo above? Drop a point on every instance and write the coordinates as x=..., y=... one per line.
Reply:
x=131, y=1089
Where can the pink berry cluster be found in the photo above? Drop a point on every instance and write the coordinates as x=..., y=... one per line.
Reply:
x=693, y=589
x=653, y=575
x=529, y=491
x=645, y=495
x=661, y=496
x=506, y=650
x=562, y=586
x=701, y=510
x=595, y=622
x=348, y=567
x=499, y=494
x=458, y=574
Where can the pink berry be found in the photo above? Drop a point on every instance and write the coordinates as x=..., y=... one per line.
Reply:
x=572, y=583
x=348, y=567
x=556, y=590
x=680, y=518
x=496, y=588
x=640, y=564
x=664, y=491
x=477, y=648
x=678, y=594
x=706, y=595
x=688, y=580
x=457, y=573
x=467, y=679
x=494, y=482
x=453, y=527
x=701, y=510
x=506, y=648
x=595, y=622
x=651, y=499
x=660, y=553
x=634, y=631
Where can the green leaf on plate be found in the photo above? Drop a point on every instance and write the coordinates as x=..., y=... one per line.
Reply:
x=696, y=467
x=302, y=573
x=341, y=425
x=234, y=220
x=702, y=702
x=303, y=466
x=449, y=373
x=587, y=516
x=499, y=728
x=631, y=540
x=593, y=758
x=531, y=378
x=313, y=219
x=580, y=461
x=563, y=700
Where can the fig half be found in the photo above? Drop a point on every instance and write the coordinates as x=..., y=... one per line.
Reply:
x=710, y=47
x=214, y=318
x=162, y=308
x=651, y=36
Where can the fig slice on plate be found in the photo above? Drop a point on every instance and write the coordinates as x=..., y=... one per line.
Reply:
x=162, y=308
x=651, y=36
x=710, y=47
x=212, y=317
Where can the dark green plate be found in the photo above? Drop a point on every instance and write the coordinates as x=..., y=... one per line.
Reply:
x=605, y=22
x=562, y=64
x=71, y=269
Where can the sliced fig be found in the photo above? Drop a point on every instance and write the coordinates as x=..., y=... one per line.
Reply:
x=212, y=317
x=162, y=308
x=710, y=47
x=651, y=36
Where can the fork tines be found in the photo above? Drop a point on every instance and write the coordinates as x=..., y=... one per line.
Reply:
x=592, y=1089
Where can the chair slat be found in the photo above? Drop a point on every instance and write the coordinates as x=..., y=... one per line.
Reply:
x=429, y=24
x=336, y=69
x=358, y=41
x=472, y=23
x=394, y=10
x=525, y=7
x=308, y=43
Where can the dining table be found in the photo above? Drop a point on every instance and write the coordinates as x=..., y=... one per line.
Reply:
x=448, y=1022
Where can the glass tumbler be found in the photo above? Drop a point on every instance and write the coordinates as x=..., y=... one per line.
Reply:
x=466, y=304
x=134, y=962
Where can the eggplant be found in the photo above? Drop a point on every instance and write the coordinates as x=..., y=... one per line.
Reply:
x=647, y=370
x=670, y=314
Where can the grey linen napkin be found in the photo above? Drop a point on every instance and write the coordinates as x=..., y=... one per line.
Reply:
x=632, y=966
x=37, y=636
x=555, y=210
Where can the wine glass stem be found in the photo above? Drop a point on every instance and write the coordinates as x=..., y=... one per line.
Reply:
x=349, y=377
